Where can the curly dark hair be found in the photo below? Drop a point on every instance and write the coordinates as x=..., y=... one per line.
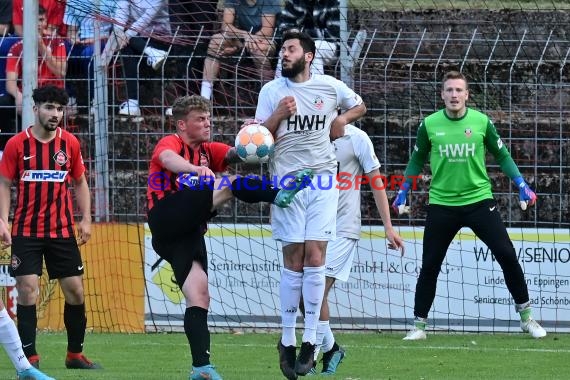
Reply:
x=51, y=94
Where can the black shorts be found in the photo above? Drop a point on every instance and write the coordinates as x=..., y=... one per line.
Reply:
x=177, y=223
x=62, y=257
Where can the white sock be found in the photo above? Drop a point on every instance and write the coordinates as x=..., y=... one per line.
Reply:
x=290, y=294
x=313, y=294
x=328, y=337
x=206, y=90
x=321, y=328
x=11, y=342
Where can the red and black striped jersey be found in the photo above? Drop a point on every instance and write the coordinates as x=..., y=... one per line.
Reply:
x=162, y=182
x=43, y=173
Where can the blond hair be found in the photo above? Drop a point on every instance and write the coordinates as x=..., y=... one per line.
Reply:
x=183, y=105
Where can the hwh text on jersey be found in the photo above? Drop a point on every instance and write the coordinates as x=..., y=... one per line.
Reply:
x=306, y=122
x=457, y=150
x=44, y=175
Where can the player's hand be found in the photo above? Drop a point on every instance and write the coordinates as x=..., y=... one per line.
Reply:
x=287, y=107
x=527, y=197
x=204, y=171
x=395, y=241
x=83, y=231
x=5, y=236
x=338, y=127
x=399, y=204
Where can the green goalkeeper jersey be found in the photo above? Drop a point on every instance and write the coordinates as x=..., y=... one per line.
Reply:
x=456, y=150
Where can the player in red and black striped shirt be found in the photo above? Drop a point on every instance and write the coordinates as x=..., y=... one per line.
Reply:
x=43, y=161
x=181, y=200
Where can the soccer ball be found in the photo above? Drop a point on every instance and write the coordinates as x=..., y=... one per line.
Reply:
x=254, y=144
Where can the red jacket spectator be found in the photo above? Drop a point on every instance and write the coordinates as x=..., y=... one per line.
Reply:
x=54, y=9
x=52, y=62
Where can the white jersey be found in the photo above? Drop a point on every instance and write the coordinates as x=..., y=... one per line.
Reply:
x=303, y=140
x=355, y=155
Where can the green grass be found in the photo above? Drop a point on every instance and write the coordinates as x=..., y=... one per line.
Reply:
x=460, y=4
x=369, y=356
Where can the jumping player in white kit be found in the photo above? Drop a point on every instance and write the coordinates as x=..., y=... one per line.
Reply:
x=302, y=111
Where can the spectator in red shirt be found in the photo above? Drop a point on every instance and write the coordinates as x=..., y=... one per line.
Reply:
x=44, y=161
x=54, y=16
x=52, y=62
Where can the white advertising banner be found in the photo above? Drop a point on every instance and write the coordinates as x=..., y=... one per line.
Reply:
x=245, y=263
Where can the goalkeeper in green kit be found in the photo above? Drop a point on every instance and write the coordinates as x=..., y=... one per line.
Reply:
x=456, y=139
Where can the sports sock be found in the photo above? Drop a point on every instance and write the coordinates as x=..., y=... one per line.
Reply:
x=196, y=329
x=75, y=322
x=253, y=190
x=328, y=341
x=524, y=310
x=290, y=295
x=313, y=294
x=11, y=342
x=420, y=323
x=27, y=324
x=206, y=90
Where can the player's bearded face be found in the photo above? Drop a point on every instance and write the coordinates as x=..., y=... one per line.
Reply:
x=290, y=68
x=49, y=115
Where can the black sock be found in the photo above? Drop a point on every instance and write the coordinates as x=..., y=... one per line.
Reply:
x=75, y=323
x=27, y=324
x=196, y=329
x=253, y=190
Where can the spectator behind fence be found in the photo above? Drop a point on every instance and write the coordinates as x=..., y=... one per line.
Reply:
x=80, y=17
x=244, y=26
x=318, y=18
x=141, y=28
x=193, y=23
x=54, y=16
x=52, y=66
x=5, y=17
x=7, y=111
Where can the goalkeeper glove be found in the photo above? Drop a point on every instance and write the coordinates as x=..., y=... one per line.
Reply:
x=526, y=195
x=399, y=204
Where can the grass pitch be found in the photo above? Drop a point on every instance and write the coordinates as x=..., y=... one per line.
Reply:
x=369, y=356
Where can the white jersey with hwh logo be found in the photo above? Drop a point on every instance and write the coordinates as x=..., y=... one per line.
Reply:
x=355, y=155
x=303, y=141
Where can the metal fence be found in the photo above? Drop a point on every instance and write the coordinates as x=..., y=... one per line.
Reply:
x=517, y=63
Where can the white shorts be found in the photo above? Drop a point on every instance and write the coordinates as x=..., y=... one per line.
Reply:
x=340, y=254
x=311, y=216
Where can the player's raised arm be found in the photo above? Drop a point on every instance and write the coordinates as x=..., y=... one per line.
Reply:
x=352, y=114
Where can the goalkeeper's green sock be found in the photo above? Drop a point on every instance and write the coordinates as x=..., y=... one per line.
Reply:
x=420, y=323
x=525, y=314
x=524, y=311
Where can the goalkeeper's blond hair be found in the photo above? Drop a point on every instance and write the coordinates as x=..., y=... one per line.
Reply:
x=183, y=105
